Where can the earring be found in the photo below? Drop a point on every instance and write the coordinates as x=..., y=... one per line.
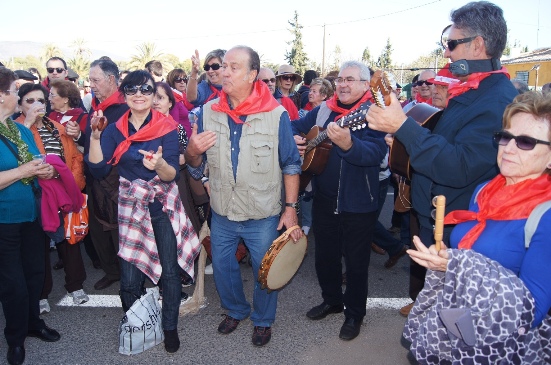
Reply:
x=2, y=101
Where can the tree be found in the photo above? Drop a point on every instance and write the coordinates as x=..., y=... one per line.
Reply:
x=146, y=53
x=81, y=50
x=366, y=57
x=50, y=50
x=385, y=59
x=296, y=56
x=337, y=53
x=80, y=63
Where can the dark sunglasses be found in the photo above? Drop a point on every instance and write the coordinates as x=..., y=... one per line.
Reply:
x=272, y=80
x=32, y=100
x=180, y=79
x=289, y=77
x=57, y=69
x=452, y=43
x=145, y=89
x=420, y=83
x=525, y=143
x=214, y=66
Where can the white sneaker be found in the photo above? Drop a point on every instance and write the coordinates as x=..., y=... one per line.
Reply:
x=44, y=306
x=208, y=269
x=306, y=229
x=79, y=297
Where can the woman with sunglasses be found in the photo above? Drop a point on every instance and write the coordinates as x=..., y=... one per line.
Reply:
x=495, y=226
x=22, y=238
x=199, y=93
x=156, y=237
x=51, y=138
x=177, y=80
x=65, y=102
x=286, y=81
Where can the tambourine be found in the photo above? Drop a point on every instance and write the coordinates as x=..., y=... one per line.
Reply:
x=282, y=260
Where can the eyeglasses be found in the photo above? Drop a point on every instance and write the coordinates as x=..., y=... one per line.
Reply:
x=272, y=80
x=289, y=77
x=348, y=80
x=421, y=82
x=57, y=69
x=214, y=66
x=32, y=100
x=525, y=143
x=180, y=79
x=144, y=89
x=452, y=43
x=53, y=95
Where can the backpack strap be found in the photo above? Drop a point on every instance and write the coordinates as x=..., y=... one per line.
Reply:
x=533, y=221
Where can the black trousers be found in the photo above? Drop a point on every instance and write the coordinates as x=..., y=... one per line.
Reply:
x=21, y=278
x=75, y=274
x=338, y=235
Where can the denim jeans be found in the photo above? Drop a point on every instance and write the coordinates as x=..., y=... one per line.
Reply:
x=21, y=278
x=132, y=279
x=258, y=235
x=306, y=201
x=381, y=236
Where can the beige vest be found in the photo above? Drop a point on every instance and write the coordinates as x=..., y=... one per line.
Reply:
x=256, y=191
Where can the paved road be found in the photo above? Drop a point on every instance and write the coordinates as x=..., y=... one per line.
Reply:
x=89, y=334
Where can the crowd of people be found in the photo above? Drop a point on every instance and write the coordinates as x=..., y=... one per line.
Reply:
x=158, y=153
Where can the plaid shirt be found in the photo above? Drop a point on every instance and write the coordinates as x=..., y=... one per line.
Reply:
x=137, y=239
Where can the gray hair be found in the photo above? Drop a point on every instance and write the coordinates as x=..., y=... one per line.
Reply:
x=364, y=70
x=325, y=86
x=217, y=53
x=484, y=19
x=108, y=67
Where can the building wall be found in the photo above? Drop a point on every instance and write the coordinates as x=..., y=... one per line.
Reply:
x=544, y=73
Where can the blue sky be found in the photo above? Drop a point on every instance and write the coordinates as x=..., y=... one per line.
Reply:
x=179, y=27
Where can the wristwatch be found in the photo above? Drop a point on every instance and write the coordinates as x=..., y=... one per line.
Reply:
x=293, y=205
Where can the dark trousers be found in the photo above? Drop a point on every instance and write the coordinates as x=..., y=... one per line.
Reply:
x=381, y=236
x=106, y=242
x=75, y=274
x=21, y=278
x=338, y=235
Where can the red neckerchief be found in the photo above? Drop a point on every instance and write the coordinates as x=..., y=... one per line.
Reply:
x=308, y=106
x=46, y=82
x=182, y=98
x=497, y=201
x=215, y=93
x=420, y=99
x=116, y=98
x=332, y=104
x=73, y=113
x=472, y=82
x=158, y=126
x=260, y=101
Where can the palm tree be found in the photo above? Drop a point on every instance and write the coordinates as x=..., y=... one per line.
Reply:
x=50, y=50
x=80, y=65
x=146, y=53
x=79, y=45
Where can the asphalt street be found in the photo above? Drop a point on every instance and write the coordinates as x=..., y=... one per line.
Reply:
x=89, y=335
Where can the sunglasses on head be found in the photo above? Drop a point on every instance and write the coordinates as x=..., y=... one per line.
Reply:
x=144, y=89
x=214, y=66
x=289, y=77
x=420, y=83
x=57, y=69
x=272, y=80
x=180, y=79
x=32, y=100
x=525, y=143
x=452, y=43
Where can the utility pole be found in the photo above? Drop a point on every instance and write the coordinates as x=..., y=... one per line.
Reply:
x=323, y=54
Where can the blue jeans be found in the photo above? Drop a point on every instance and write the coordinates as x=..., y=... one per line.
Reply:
x=132, y=279
x=306, y=201
x=258, y=235
x=381, y=236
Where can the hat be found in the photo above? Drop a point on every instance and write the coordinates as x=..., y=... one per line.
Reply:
x=288, y=70
x=398, y=86
x=25, y=75
x=444, y=77
x=71, y=75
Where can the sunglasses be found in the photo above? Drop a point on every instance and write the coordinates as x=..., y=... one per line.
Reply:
x=452, y=43
x=32, y=100
x=214, y=66
x=180, y=79
x=289, y=78
x=525, y=143
x=57, y=69
x=420, y=83
x=144, y=89
x=272, y=80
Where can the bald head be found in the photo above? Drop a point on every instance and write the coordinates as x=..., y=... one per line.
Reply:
x=267, y=75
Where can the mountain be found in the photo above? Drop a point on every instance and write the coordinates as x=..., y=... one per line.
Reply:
x=9, y=49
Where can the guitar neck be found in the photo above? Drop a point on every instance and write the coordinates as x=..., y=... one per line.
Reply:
x=322, y=136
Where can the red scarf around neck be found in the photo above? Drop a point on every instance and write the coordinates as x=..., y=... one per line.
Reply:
x=73, y=113
x=259, y=101
x=158, y=126
x=215, y=93
x=181, y=97
x=472, y=82
x=116, y=98
x=497, y=201
x=334, y=106
x=420, y=99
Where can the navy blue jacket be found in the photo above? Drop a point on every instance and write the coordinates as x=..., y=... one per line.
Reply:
x=351, y=177
x=459, y=154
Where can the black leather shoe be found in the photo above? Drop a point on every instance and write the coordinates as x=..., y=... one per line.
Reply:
x=58, y=265
x=104, y=282
x=45, y=334
x=172, y=342
x=394, y=259
x=321, y=311
x=228, y=325
x=16, y=355
x=261, y=335
x=377, y=249
x=350, y=329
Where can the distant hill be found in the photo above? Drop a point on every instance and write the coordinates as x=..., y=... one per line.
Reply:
x=21, y=49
